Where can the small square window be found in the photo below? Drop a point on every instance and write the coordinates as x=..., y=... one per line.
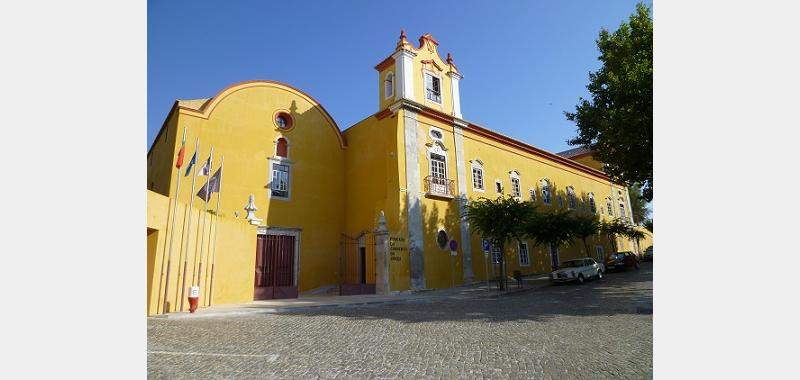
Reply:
x=433, y=90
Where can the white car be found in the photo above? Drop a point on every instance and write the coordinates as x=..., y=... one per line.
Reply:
x=578, y=270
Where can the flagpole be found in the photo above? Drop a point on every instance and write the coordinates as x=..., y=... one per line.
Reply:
x=172, y=228
x=188, y=226
x=214, y=245
x=205, y=211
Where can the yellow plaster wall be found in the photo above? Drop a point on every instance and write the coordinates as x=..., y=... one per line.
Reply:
x=429, y=52
x=239, y=125
x=384, y=102
x=590, y=162
x=498, y=161
x=372, y=185
x=441, y=269
x=162, y=155
x=233, y=258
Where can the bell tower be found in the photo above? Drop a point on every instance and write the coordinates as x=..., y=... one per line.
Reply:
x=419, y=75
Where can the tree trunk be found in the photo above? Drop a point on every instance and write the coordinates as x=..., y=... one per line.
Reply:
x=586, y=246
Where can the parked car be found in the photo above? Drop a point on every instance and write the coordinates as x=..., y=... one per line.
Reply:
x=621, y=261
x=578, y=270
x=648, y=254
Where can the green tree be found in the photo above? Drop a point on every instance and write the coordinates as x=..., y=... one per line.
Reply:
x=614, y=228
x=639, y=208
x=584, y=226
x=648, y=224
x=617, y=123
x=634, y=234
x=500, y=220
x=556, y=227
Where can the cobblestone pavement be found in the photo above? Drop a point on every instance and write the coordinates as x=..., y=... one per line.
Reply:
x=602, y=329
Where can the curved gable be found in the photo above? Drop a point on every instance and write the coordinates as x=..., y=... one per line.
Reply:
x=207, y=108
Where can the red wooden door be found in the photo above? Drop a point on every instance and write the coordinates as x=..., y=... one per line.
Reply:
x=274, y=274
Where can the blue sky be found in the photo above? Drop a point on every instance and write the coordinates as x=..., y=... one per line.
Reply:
x=524, y=62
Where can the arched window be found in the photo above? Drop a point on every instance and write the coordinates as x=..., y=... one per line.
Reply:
x=477, y=175
x=282, y=148
x=516, y=189
x=608, y=206
x=592, y=206
x=546, y=191
x=388, y=86
x=621, y=208
x=571, y=197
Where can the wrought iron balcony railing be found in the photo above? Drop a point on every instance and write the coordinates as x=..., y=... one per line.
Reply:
x=441, y=187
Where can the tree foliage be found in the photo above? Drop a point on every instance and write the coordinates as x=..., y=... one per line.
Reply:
x=614, y=228
x=555, y=227
x=501, y=220
x=639, y=208
x=585, y=225
x=648, y=224
x=617, y=123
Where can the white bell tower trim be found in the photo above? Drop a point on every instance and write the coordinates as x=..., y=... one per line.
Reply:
x=404, y=79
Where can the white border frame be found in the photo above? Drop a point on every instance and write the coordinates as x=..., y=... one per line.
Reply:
x=281, y=161
x=394, y=84
x=425, y=89
x=527, y=253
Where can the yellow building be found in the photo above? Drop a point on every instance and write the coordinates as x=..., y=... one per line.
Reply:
x=373, y=206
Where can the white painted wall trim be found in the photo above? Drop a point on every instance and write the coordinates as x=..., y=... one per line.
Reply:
x=413, y=204
x=404, y=79
x=461, y=168
x=454, y=93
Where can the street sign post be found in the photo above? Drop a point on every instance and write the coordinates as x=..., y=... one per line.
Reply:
x=486, y=248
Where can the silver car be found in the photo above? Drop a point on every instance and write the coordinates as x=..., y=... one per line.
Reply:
x=578, y=270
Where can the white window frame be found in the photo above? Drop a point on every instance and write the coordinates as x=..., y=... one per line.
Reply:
x=592, y=204
x=516, y=185
x=388, y=84
x=434, y=138
x=622, y=208
x=532, y=194
x=600, y=253
x=425, y=86
x=431, y=160
x=495, y=255
x=527, y=262
x=547, y=192
x=610, y=207
x=280, y=161
x=571, y=201
x=478, y=165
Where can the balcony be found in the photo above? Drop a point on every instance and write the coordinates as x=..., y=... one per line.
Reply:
x=437, y=187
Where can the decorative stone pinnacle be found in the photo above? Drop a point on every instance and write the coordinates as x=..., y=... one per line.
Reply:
x=449, y=59
x=381, y=221
x=251, y=209
x=403, y=42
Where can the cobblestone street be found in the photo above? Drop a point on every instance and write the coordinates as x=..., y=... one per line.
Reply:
x=602, y=329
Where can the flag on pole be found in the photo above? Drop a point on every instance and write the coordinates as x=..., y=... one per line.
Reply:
x=206, y=169
x=191, y=164
x=182, y=151
x=212, y=186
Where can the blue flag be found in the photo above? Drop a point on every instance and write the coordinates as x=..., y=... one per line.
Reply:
x=191, y=164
